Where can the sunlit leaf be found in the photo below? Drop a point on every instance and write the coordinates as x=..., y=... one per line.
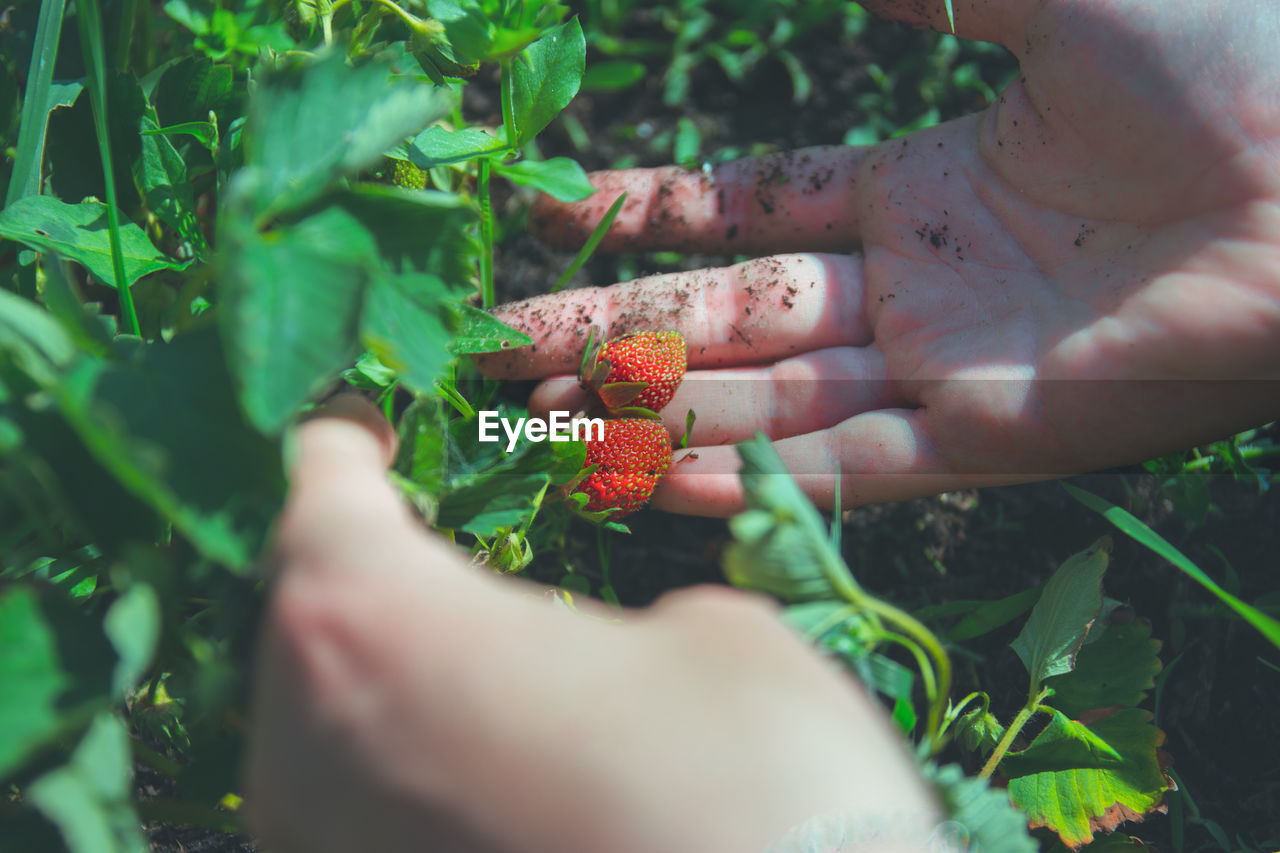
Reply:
x=1067, y=608
x=79, y=232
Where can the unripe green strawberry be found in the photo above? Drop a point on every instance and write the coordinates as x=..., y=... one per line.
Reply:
x=629, y=461
x=639, y=371
x=405, y=174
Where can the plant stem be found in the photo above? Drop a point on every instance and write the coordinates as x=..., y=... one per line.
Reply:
x=124, y=39
x=1015, y=727
x=95, y=68
x=486, y=234
x=1251, y=451
x=942, y=664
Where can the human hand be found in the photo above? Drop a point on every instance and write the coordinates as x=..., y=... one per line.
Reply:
x=1085, y=274
x=405, y=701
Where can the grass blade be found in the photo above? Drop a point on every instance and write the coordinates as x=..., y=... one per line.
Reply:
x=35, y=104
x=590, y=246
x=96, y=71
x=1131, y=526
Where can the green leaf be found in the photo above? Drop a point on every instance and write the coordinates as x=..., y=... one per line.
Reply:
x=1118, y=669
x=189, y=88
x=775, y=557
x=488, y=489
x=479, y=331
x=1064, y=744
x=403, y=325
x=466, y=28
x=79, y=232
x=990, y=822
x=306, y=130
x=990, y=615
x=416, y=230
x=36, y=104
x=90, y=798
x=1144, y=535
x=55, y=669
x=132, y=624
x=35, y=340
x=436, y=146
x=164, y=422
x=688, y=142
x=782, y=545
x=543, y=80
x=205, y=132
x=291, y=305
x=160, y=175
x=423, y=454
x=1062, y=617
x=613, y=76
x=1077, y=803
x=558, y=177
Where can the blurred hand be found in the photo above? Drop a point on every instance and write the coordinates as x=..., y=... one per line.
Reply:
x=1085, y=274
x=407, y=702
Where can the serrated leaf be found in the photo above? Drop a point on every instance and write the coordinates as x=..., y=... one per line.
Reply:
x=990, y=822
x=479, y=331
x=89, y=798
x=79, y=232
x=437, y=146
x=559, y=177
x=291, y=306
x=544, y=78
x=1070, y=602
x=1118, y=669
x=467, y=30
x=1064, y=744
x=304, y=131
x=1078, y=803
x=403, y=325
x=782, y=545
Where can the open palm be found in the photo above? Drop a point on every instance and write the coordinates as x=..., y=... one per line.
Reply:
x=1085, y=274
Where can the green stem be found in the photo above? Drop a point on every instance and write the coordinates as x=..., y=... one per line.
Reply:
x=1247, y=452
x=1015, y=727
x=486, y=235
x=942, y=664
x=95, y=66
x=124, y=40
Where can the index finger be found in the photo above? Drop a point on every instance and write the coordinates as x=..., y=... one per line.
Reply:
x=796, y=201
x=751, y=313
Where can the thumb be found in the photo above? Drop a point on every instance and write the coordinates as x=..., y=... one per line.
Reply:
x=339, y=498
x=999, y=21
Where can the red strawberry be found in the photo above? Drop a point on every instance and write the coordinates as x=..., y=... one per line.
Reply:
x=635, y=374
x=628, y=463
